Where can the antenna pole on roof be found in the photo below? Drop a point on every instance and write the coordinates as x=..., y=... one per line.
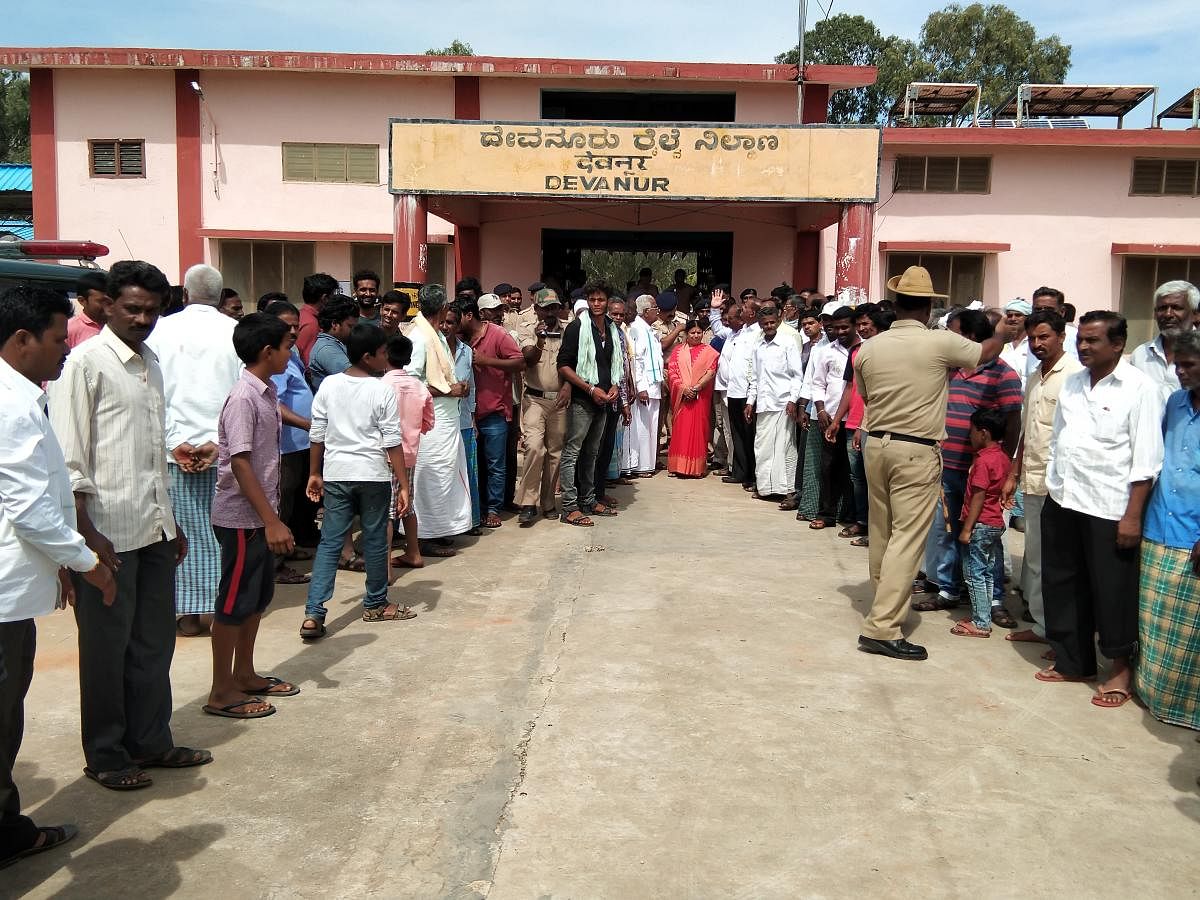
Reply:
x=803, y=11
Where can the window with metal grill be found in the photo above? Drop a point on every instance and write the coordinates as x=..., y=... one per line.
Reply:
x=1165, y=178
x=331, y=163
x=943, y=174
x=117, y=158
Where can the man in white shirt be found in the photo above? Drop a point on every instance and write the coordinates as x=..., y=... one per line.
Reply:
x=739, y=352
x=772, y=393
x=108, y=412
x=199, y=366
x=1174, y=309
x=37, y=533
x=1016, y=348
x=648, y=375
x=827, y=375
x=1105, y=452
x=1046, y=332
x=1052, y=298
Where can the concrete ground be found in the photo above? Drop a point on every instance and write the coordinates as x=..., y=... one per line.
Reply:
x=668, y=704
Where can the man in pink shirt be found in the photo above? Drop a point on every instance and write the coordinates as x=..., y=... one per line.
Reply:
x=90, y=291
x=497, y=358
x=415, y=405
x=317, y=289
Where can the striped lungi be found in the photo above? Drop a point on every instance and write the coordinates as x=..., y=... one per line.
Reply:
x=199, y=575
x=1168, y=668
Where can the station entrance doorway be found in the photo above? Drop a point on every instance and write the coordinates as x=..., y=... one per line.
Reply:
x=568, y=255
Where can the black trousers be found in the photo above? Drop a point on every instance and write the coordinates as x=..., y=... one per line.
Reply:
x=17, y=643
x=125, y=655
x=743, y=441
x=1088, y=586
x=608, y=445
x=296, y=511
x=836, y=489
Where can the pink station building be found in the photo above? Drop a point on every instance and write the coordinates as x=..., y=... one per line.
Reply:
x=274, y=165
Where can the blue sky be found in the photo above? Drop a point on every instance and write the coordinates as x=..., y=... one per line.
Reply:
x=1112, y=43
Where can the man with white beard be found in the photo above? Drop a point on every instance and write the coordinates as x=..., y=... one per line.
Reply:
x=642, y=448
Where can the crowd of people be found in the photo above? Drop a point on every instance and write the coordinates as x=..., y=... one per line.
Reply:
x=190, y=449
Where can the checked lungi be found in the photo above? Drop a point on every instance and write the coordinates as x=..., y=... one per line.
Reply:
x=1168, y=668
x=199, y=575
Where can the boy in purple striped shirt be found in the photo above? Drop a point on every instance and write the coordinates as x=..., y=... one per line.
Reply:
x=245, y=519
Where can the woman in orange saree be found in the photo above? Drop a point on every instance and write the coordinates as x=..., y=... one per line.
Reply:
x=690, y=374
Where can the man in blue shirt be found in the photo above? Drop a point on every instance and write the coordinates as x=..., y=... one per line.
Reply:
x=328, y=355
x=1168, y=679
x=295, y=406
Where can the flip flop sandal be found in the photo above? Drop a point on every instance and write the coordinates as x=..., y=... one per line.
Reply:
x=937, y=604
x=53, y=836
x=312, y=634
x=276, y=687
x=601, y=510
x=818, y=525
x=967, y=628
x=439, y=552
x=401, y=563
x=229, y=712
x=491, y=520
x=177, y=758
x=861, y=541
x=609, y=501
x=119, y=781
x=475, y=532
x=354, y=564
x=1002, y=618
x=1055, y=677
x=199, y=631
x=1099, y=698
x=288, y=575
x=580, y=521
x=789, y=504
x=381, y=614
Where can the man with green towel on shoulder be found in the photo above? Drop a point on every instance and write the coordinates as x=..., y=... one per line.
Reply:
x=587, y=363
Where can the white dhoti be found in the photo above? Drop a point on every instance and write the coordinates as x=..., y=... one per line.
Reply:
x=441, y=492
x=775, y=453
x=640, y=451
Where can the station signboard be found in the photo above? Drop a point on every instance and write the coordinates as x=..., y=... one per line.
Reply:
x=660, y=161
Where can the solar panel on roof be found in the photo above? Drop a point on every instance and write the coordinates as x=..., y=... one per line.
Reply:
x=922, y=98
x=1186, y=107
x=1040, y=123
x=1073, y=100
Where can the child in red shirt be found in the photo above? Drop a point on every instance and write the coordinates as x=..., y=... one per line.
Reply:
x=983, y=518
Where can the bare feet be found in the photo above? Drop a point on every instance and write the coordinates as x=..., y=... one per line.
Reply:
x=1028, y=636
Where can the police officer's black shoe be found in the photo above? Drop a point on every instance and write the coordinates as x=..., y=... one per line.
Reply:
x=899, y=649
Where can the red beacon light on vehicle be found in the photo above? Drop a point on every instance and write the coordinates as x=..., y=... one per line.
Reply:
x=88, y=250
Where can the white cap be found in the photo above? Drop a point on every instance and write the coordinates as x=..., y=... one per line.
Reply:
x=831, y=307
x=489, y=301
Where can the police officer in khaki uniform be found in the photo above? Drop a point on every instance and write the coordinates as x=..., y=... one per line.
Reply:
x=903, y=377
x=543, y=409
